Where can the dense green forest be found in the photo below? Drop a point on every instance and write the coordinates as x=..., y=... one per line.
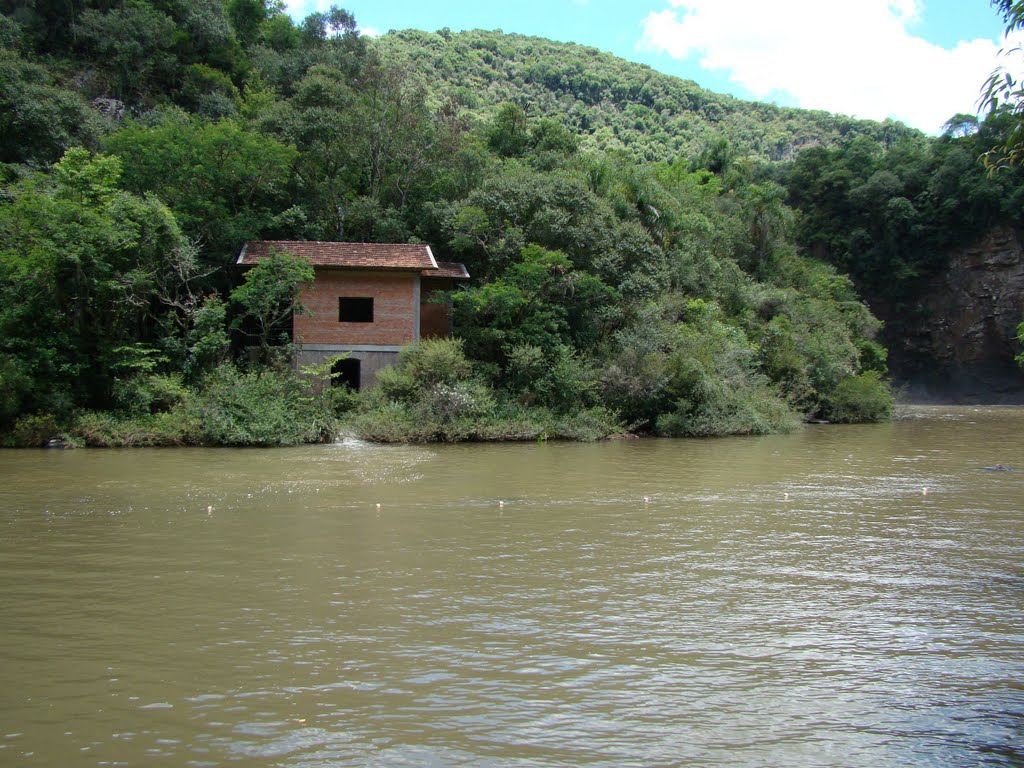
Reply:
x=613, y=104
x=647, y=256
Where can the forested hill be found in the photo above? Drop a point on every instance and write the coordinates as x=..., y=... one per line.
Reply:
x=616, y=104
x=883, y=202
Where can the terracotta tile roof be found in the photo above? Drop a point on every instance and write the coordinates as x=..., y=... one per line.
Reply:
x=348, y=255
x=451, y=269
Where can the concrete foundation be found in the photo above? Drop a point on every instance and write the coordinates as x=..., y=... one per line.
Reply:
x=371, y=358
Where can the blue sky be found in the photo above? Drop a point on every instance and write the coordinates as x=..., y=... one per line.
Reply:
x=920, y=61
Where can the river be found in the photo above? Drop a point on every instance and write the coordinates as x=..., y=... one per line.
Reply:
x=842, y=596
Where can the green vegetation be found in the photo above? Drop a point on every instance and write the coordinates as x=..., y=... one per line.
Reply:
x=87, y=274
x=889, y=216
x=611, y=104
x=1004, y=96
x=436, y=394
x=646, y=256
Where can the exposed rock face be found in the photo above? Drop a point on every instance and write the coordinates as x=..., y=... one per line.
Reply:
x=109, y=108
x=958, y=343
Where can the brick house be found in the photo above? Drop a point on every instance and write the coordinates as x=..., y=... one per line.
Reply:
x=367, y=299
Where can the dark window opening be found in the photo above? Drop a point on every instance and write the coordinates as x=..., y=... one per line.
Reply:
x=345, y=372
x=355, y=309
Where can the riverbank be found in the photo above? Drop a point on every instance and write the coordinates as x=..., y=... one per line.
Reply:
x=394, y=424
x=434, y=394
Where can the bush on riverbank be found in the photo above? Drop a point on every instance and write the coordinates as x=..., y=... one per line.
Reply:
x=264, y=407
x=435, y=395
x=112, y=430
x=231, y=407
x=860, y=398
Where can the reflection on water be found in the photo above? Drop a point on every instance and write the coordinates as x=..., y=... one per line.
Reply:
x=791, y=600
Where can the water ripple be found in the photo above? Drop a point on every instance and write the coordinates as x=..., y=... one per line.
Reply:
x=796, y=600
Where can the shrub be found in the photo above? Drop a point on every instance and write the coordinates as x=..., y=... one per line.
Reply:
x=207, y=341
x=512, y=423
x=389, y=422
x=721, y=410
x=263, y=407
x=435, y=361
x=393, y=383
x=448, y=403
x=586, y=425
x=715, y=388
x=111, y=430
x=421, y=367
x=33, y=431
x=431, y=395
x=143, y=394
x=560, y=379
x=860, y=398
x=339, y=400
x=444, y=412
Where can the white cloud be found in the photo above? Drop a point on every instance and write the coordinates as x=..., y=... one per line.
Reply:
x=857, y=59
x=370, y=31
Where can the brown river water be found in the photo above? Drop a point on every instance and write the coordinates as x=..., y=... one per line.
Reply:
x=794, y=600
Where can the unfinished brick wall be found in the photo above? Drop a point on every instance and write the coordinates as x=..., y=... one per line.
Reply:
x=395, y=308
x=434, y=315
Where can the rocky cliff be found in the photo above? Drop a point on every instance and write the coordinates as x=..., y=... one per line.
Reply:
x=957, y=341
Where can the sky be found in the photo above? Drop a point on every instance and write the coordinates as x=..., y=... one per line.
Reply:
x=918, y=61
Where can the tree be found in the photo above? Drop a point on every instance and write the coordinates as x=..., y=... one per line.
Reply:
x=335, y=23
x=207, y=342
x=541, y=301
x=84, y=268
x=509, y=135
x=1003, y=94
x=769, y=218
x=224, y=182
x=38, y=120
x=280, y=33
x=48, y=24
x=133, y=45
x=401, y=136
x=269, y=295
x=246, y=16
x=960, y=125
x=320, y=120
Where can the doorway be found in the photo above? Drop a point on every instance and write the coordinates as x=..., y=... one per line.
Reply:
x=346, y=372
